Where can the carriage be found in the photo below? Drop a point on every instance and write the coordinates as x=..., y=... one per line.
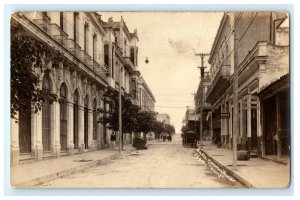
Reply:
x=189, y=139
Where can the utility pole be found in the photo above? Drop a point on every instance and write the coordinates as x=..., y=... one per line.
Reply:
x=235, y=103
x=202, y=55
x=120, y=112
x=187, y=116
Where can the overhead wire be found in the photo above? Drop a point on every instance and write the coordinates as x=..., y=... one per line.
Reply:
x=239, y=40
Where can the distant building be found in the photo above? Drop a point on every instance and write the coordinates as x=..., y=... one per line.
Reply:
x=200, y=101
x=163, y=118
x=146, y=99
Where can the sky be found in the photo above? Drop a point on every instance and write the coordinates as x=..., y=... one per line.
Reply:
x=170, y=41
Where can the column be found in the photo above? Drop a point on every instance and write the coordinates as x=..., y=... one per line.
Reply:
x=81, y=128
x=14, y=141
x=230, y=125
x=56, y=129
x=249, y=123
x=70, y=128
x=99, y=135
x=278, y=120
x=262, y=132
x=222, y=126
x=211, y=127
x=90, y=130
x=226, y=125
x=240, y=135
x=259, y=130
x=37, y=128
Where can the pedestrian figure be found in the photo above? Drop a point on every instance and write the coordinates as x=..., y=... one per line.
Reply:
x=113, y=139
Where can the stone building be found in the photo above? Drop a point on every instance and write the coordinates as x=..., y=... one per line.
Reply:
x=261, y=49
x=97, y=55
x=120, y=54
x=163, y=117
x=200, y=101
x=146, y=99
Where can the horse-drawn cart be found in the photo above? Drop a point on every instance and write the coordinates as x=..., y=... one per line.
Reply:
x=189, y=139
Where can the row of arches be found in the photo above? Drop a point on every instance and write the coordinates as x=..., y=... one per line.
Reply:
x=49, y=120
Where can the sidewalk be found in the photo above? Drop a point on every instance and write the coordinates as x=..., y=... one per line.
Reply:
x=30, y=174
x=256, y=172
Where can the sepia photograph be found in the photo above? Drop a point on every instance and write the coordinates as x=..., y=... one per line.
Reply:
x=146, y=100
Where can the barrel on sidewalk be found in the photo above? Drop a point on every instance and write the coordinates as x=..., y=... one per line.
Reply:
x=243, y=155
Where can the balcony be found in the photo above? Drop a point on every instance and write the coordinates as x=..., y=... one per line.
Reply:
x=57, y=34
x=220, y=83
x=269, y=61
x=129, y=65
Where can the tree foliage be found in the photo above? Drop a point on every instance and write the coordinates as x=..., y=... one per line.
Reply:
x=133, y=118
x=170, y=129
x=27, y=53
x=146, y=120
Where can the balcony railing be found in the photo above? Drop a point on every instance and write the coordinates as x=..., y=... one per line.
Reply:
x=219, y=83
x=130, y=65
x=57, y=34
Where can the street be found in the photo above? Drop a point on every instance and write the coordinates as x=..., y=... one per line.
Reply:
x=162, y=165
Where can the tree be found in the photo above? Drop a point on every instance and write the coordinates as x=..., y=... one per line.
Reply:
x=158, y=128
x=170, y=129
x=110, y=117
x=133, y=118
x=27, y=54
x=145, y=121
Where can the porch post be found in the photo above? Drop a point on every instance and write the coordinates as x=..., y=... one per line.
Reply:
x=70, y=136
x=37, y=129
x=55, y=115
x=90, y=130
x=263, y=134
x=249, y=123
x=240, y=134
x=81, y=129
x=14, y=141
x=278, y=132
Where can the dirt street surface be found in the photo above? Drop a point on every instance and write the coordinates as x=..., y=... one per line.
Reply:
x=162, y=165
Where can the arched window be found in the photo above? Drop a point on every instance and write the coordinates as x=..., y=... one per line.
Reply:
x=46, y=117
x=85, y=38
x=75, y=119
x=63, y=117
x=61, y=17
x=125, y=47
x=75, y=31
x=95, y=120
x=95, y=47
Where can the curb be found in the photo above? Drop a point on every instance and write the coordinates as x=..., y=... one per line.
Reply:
x=274, y=160
x=231, y=172
x=67, y=172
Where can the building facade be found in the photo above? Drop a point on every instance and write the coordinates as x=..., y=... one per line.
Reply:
x=163, y=117
x=200, y=102
x=259, y=46
x=96, y=55
x=146, y=99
